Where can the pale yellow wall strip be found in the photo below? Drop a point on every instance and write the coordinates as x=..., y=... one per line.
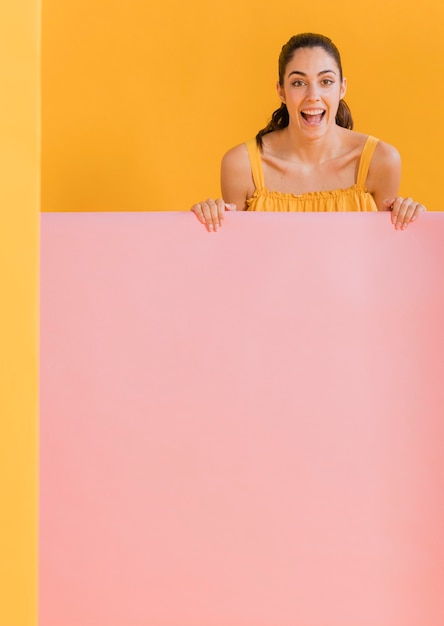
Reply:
x=19, y=207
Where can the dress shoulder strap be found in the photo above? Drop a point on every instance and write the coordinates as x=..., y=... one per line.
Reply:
x=366, y=157
x=255, y=163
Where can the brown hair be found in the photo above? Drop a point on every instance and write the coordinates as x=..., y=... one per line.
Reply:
x=280, y=118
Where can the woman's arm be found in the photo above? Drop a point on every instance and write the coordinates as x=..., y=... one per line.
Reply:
x=383, y=182
x=236, y=179
x=236, y=185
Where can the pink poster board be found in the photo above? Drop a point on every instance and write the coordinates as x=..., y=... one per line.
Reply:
x=243, y=428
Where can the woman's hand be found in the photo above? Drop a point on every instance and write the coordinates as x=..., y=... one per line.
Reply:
x=404, y=211
x=211, y=213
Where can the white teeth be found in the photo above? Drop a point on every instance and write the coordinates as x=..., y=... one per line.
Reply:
x=313, y=112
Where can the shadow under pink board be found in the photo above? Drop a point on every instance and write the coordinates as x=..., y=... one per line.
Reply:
x=243, y=428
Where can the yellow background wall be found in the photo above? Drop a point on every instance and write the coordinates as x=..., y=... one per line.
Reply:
x=19, y=211
x=141, y=99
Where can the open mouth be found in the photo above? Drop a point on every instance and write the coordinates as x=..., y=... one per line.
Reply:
x=313, y=117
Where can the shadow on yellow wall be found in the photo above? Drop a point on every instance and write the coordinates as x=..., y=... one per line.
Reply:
x=140, y=100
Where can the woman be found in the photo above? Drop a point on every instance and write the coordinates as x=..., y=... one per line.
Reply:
x=308, y=158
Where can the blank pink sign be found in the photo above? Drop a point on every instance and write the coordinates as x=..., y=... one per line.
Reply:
x=243, y=428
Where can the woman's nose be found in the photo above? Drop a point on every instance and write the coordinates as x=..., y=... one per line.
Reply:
x=313, y=92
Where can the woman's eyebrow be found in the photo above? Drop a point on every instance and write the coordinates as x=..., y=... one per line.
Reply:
x=304, y=74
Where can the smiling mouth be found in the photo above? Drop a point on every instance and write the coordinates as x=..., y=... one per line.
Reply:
x=313, y=117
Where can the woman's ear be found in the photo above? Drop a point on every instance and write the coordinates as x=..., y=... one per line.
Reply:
x=280, y=91
x=343, y=88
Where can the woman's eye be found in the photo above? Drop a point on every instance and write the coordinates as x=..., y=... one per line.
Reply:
x=298, y=83
x=327, y=81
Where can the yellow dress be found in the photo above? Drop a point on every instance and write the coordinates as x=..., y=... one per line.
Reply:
x=355, y=198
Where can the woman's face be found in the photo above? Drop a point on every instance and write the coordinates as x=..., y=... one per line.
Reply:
x=311, y=90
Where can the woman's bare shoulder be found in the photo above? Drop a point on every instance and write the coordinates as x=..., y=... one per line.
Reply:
x=383, y=151
x=236, y=177
x=385, y=163
x=384, y=173
x=236, y=157
x=386, y=154
x=236, y=162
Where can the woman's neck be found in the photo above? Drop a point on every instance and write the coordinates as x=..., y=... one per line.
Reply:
x=293, y=145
